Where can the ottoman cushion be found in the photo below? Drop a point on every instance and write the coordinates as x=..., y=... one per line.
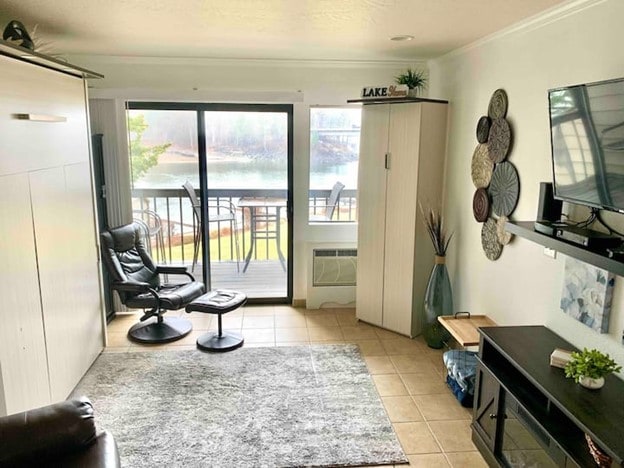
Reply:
x=218, y=301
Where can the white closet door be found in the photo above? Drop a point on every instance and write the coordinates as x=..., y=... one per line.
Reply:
x=401, y=210
x=23, y=366
x=30, y=145
x=371, y=213
x=67, y=258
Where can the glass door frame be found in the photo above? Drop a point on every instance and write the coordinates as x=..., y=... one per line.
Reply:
x=200, y=109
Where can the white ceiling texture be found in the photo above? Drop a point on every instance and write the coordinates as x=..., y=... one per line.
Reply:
x=342, y=30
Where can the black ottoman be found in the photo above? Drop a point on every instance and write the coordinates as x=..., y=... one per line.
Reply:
x=218, y=302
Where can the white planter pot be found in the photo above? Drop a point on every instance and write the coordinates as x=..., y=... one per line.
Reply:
x=592, y=384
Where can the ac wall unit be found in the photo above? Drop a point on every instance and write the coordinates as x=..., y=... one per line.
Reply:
x=334, y=267
x=331, y=275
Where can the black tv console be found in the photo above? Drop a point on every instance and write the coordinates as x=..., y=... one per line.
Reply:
x=527, y=413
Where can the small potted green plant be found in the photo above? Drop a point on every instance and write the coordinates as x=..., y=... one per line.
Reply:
x=589, y=367
x=414, y=79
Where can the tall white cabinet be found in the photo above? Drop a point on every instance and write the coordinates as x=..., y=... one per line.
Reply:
x=402, y=153
x=51, y=324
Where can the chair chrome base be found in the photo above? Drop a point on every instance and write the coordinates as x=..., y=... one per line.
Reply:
x=227, y=341
x=168, y=330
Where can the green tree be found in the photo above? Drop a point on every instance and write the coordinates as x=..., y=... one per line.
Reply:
x=142, y=157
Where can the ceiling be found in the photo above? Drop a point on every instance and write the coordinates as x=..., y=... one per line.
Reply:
x=266, y=29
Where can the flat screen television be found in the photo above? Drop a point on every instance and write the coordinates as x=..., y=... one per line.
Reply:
x=587, y=141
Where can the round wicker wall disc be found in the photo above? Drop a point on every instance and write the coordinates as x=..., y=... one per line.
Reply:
x=489, y=240
x=499, y=140
x=504, y=237
x=498, y=104
x=481, y=167
x=483, y=129
x=481, y=205
x=504, y=189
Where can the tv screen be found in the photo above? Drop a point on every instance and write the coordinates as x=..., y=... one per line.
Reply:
x=587, y=140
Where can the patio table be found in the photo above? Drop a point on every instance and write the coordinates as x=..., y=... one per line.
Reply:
x=265, y=210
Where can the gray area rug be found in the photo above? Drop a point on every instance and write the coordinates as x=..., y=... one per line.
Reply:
x=254, y=407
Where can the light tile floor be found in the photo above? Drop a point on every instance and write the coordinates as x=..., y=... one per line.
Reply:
x=434, y=430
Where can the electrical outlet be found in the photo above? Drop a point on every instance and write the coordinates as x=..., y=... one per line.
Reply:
x=552, y=253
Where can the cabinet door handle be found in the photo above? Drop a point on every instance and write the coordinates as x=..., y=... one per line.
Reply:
x=492, y=416
x=387, y=161
x=41, y=117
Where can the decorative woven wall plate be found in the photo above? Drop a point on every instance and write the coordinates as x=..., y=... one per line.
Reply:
x=483, y=129
x=504, y=189
x=481, y=166
x=481, y=205
x=504, y=237
x=498, y=104
x=499, y=140
x=489, y=240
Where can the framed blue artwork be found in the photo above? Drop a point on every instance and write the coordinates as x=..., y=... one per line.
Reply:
x=587, y=294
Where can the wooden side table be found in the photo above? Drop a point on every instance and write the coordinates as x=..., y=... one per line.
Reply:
x=464, y=327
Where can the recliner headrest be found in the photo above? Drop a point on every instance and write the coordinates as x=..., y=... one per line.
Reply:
x=124, y=238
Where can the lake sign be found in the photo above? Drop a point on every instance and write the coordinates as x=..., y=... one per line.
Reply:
x=392, y=91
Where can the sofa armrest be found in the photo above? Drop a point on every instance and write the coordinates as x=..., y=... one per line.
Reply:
x=46, y=433
x=102, y=453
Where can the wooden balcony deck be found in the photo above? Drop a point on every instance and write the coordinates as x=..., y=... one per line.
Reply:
x=263, y=278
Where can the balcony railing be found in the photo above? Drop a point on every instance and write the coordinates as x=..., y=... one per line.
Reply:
x=175, y=238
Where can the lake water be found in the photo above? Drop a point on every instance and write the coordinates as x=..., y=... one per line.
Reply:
x=244, y=174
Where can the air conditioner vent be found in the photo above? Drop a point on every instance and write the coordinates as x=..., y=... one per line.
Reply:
x=334, y=267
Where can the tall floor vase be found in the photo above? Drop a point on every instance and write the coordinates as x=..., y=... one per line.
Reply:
x=438, y=301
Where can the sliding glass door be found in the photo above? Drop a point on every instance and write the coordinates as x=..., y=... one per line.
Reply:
x=213, y=185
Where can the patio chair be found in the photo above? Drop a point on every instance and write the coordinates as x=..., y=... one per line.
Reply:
x=152, y=227
x=332, y=203
x=136, y=279
x=217, y=213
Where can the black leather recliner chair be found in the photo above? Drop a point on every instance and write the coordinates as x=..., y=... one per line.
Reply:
x=137, y=280
x=58, y=435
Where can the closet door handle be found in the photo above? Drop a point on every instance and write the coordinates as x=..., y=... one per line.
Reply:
x=387, y=161
x=41, y=117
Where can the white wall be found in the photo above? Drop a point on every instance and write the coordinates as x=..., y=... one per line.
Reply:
x=206, y=80
x=578, y=44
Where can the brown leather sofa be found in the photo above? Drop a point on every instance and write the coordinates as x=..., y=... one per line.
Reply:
x=59, y=435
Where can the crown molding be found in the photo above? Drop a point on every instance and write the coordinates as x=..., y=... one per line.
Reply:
x=538, y=21
x=197, y=95
x=243, y=62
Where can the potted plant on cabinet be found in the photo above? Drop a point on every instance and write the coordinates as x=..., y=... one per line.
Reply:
x=589, y=368
x=414, y=79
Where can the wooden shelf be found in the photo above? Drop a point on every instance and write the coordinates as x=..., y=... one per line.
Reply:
x=395, y=100
x=597, y=258
x=465, y=328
